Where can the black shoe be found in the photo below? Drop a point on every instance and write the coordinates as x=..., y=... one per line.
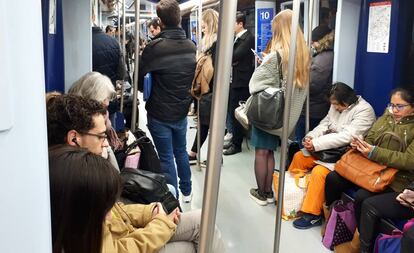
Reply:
x=192, y=159
x=227, y=145
x=232, y=150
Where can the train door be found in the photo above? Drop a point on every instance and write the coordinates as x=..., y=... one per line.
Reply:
x=384, y=54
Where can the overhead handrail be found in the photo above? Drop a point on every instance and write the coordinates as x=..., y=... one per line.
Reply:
x=285, y=133
x=227, y=18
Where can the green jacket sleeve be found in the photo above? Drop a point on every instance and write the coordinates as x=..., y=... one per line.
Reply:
x=395, y=159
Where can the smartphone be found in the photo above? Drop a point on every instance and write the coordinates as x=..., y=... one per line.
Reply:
x=359, y=138
x=256, y=54
x=407, y=202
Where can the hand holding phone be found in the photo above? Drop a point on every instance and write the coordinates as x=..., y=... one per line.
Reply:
x=357, y=137
x=256, y=54
x=406, y=198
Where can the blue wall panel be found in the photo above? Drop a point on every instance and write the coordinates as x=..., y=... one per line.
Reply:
x=53, y=49
x=376, y=74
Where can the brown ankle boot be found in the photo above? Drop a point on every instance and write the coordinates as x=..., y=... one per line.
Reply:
x=353, y=246
x=326, y=214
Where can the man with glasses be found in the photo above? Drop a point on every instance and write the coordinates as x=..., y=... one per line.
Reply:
x=77, y=121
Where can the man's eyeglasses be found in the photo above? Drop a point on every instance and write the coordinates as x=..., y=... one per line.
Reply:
x=101, y=137
x=399, y=107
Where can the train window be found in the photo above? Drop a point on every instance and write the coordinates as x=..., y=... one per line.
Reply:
x=289, y=5
x=327, y=13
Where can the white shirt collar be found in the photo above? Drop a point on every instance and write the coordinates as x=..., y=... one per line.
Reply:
x=238, y=35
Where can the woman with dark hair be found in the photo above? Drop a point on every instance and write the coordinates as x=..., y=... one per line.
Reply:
x=398, y=119
x=83, y=189
x=348, y=115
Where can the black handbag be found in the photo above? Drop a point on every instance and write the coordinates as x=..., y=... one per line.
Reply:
x=266, y=108
x=145, y=187
x=149, y=159
x=330, y=155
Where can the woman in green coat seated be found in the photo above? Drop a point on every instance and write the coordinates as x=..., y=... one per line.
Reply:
x=399, y=119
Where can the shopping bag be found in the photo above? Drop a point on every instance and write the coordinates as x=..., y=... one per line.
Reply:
x=341, y=225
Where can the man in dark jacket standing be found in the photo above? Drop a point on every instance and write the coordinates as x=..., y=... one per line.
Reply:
x=243, y=67
x=107, y=56
x=171, y=59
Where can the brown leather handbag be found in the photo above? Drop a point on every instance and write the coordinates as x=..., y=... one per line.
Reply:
x=365, y=173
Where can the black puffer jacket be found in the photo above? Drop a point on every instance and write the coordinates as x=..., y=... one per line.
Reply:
x=171, y=59
x=106, y=55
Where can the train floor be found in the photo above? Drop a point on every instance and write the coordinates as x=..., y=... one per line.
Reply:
x=245, y=226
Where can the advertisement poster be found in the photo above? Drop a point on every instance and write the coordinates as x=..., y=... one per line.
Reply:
x=379, y=27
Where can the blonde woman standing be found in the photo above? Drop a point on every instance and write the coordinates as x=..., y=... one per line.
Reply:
x=209, y=27
x=266, y=76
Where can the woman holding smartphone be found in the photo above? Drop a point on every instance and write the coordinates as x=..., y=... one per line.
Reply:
x=392, y=205
x=271, y=74
x=398, y=119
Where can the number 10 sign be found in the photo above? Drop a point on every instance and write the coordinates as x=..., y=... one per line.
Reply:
x=264, y=27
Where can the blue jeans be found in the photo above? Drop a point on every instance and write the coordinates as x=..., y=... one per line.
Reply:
x=171, y=142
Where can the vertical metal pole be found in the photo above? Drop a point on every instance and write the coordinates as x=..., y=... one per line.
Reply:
x=100, y=14
x=285, y=132
x=198, y=137
x=118, y=7
x=123, y=28
x=136, y=69
x=218, y=118
x=123, y=54
x=200, y=14
x=199, y=37
x=310, y=26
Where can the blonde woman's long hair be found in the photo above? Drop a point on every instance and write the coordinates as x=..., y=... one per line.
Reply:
x=210, y=20
x=281, y=29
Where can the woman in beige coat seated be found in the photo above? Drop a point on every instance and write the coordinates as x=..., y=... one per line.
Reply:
x=84, y=188
x=349, y=115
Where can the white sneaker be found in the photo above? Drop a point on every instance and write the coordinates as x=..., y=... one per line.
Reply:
x=228, y=137
x=187, y=199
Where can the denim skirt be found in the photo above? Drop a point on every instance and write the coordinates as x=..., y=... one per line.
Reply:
x=264, y=140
